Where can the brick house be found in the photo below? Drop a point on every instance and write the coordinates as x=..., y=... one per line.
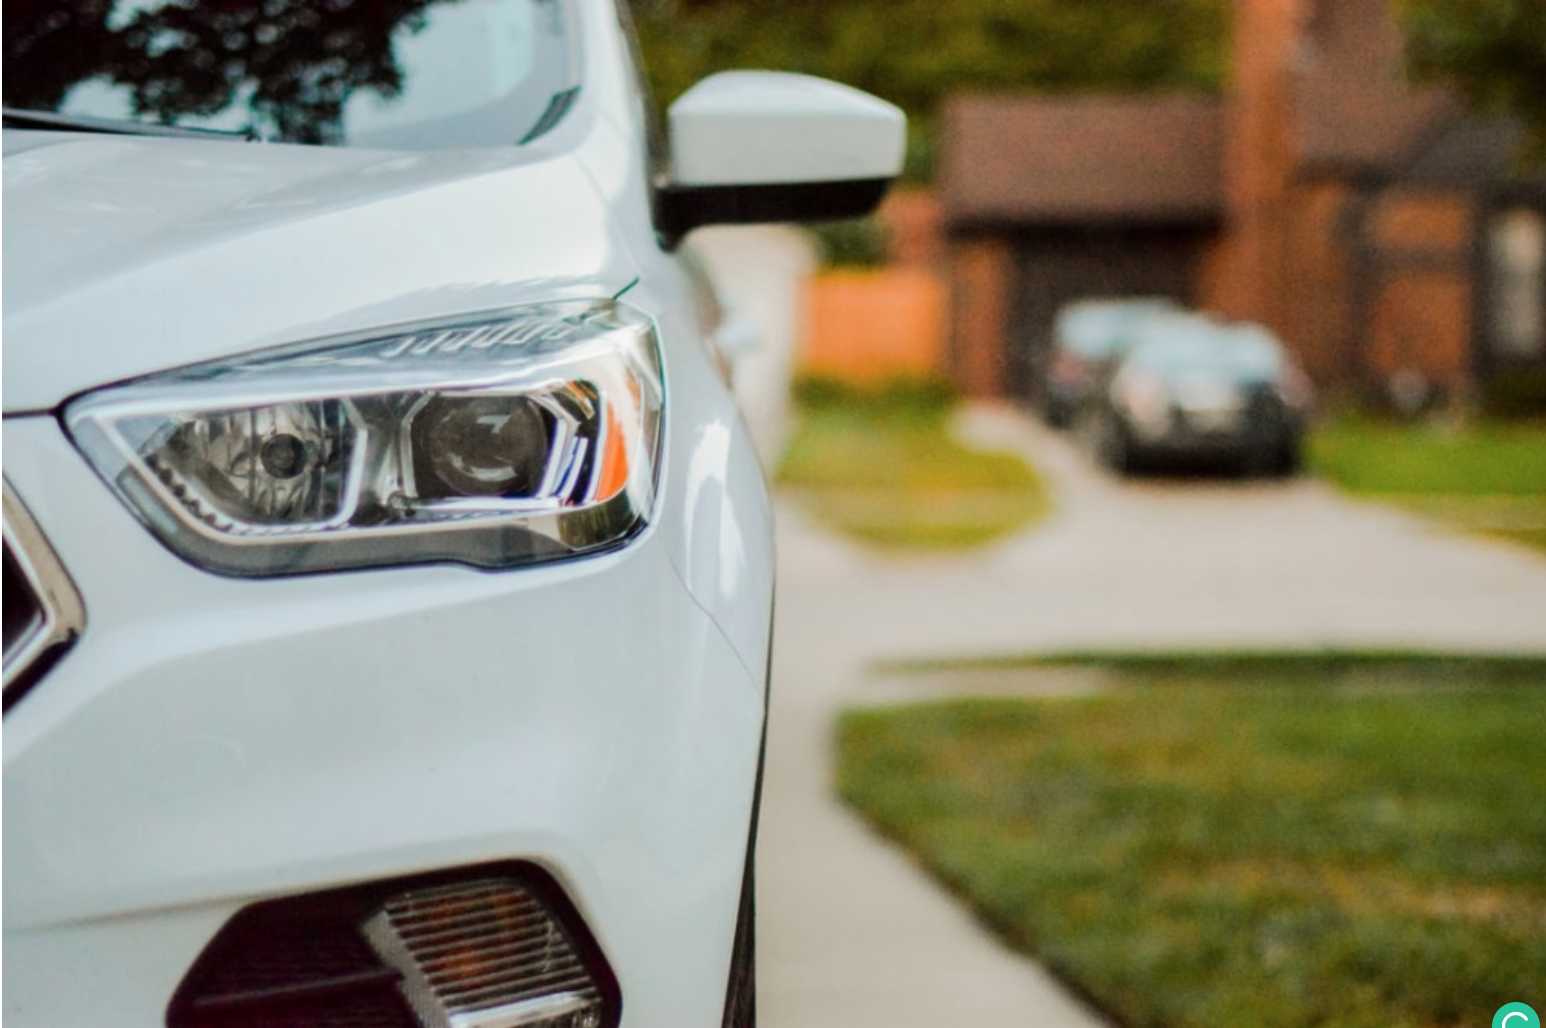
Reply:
x=1383, y=231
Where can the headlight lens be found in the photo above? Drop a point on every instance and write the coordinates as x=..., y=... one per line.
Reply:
x=524, y=436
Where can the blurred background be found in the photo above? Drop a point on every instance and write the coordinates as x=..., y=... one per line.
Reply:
x=1162, y=513
x=1161, y=491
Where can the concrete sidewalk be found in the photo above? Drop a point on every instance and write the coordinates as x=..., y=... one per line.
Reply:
x=851, y=933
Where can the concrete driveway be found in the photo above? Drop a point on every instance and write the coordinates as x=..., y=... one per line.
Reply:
x=851, y=933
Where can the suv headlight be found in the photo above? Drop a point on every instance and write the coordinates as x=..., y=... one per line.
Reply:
x=527, y=435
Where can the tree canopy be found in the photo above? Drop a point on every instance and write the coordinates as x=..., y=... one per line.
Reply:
x=1493, y=51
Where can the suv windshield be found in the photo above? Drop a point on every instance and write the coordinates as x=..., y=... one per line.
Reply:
x=409, y=74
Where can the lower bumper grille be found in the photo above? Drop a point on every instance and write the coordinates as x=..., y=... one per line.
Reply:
x=493, y=947
x=484, y=955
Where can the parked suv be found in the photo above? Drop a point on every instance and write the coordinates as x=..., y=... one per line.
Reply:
x=387, y=571
x=1088, y=337
x=1191, y=389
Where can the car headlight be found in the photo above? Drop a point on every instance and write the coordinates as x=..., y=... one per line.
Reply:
x=527, y=435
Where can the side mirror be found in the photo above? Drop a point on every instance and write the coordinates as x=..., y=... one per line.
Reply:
x=756, y=146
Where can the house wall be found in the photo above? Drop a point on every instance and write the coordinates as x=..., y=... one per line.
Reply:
x=980, y=279
x=1420, y=287
x=1361, y=281
x=1315, y=312
x=1249, y=271
x=910, y=219
x=1363, y=277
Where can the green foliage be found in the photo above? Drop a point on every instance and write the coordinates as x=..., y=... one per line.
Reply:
x=855, y=243
x=1332, y=667
x=923, y=399
x=1489, y=478
x=916, y=52
x=1493, y=50
x=1265, y=844
x=1386, y=457
x=882, y=465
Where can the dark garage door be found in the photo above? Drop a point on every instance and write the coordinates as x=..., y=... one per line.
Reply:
x=1055, y=266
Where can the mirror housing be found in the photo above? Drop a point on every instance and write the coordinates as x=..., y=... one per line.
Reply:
x=758, y=146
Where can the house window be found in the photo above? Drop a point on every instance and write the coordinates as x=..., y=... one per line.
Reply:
x=1517, y=253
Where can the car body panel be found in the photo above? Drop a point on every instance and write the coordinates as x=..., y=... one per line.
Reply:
x=309, y=736
x=156, y=269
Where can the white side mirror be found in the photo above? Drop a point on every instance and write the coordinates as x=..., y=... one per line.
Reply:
x=748, y=128
x=752, y=146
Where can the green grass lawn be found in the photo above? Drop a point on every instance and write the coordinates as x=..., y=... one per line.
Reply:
x=885, y=469
x=1489, y=478
x=1337, y=841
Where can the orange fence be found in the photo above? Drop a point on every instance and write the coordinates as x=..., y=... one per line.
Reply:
x=867, y=327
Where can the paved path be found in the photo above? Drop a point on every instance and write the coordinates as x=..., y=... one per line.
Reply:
x=851, y=933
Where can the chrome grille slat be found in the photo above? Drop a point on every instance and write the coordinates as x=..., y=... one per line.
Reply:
x=515, y=1015
x=53, y=613
x=446, y=942
x=504, y=984
x=492, y=996
x=463, y=921
x=495, y=963
x=417, y=904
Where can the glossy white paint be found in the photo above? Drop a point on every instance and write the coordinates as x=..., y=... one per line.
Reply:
x=197, y=250
x=213, y=741
x=763, y=127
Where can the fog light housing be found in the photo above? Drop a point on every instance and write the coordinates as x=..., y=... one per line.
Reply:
x=495, y=946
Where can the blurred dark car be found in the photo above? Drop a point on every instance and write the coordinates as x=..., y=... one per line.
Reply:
x=1194, y=391
x=1086, y=338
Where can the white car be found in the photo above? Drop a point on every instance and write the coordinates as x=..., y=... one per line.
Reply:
x=388, y=572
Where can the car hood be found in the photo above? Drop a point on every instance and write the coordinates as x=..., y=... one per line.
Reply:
x=128, y=255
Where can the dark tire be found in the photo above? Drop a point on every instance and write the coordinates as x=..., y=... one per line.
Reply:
x=1290, y=460
x=1057, y=415
x=1281, y=460
x=741, y=995
x=1113, y=449
x=1102, y=440
x=1256, y=462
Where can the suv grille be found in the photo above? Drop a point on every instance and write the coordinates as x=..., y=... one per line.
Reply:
x=43, y=612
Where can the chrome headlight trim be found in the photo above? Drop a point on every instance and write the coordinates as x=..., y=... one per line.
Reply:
x=588, y=372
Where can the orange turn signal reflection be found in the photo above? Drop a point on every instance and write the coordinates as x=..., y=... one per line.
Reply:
x=612, y=476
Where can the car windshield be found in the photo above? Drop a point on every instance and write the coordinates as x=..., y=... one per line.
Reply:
x=1192, y=346
x=1096, y=329
x=397, y=74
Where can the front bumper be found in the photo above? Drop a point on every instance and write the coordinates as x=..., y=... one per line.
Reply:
x=1191, y=436
x=211, y=742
